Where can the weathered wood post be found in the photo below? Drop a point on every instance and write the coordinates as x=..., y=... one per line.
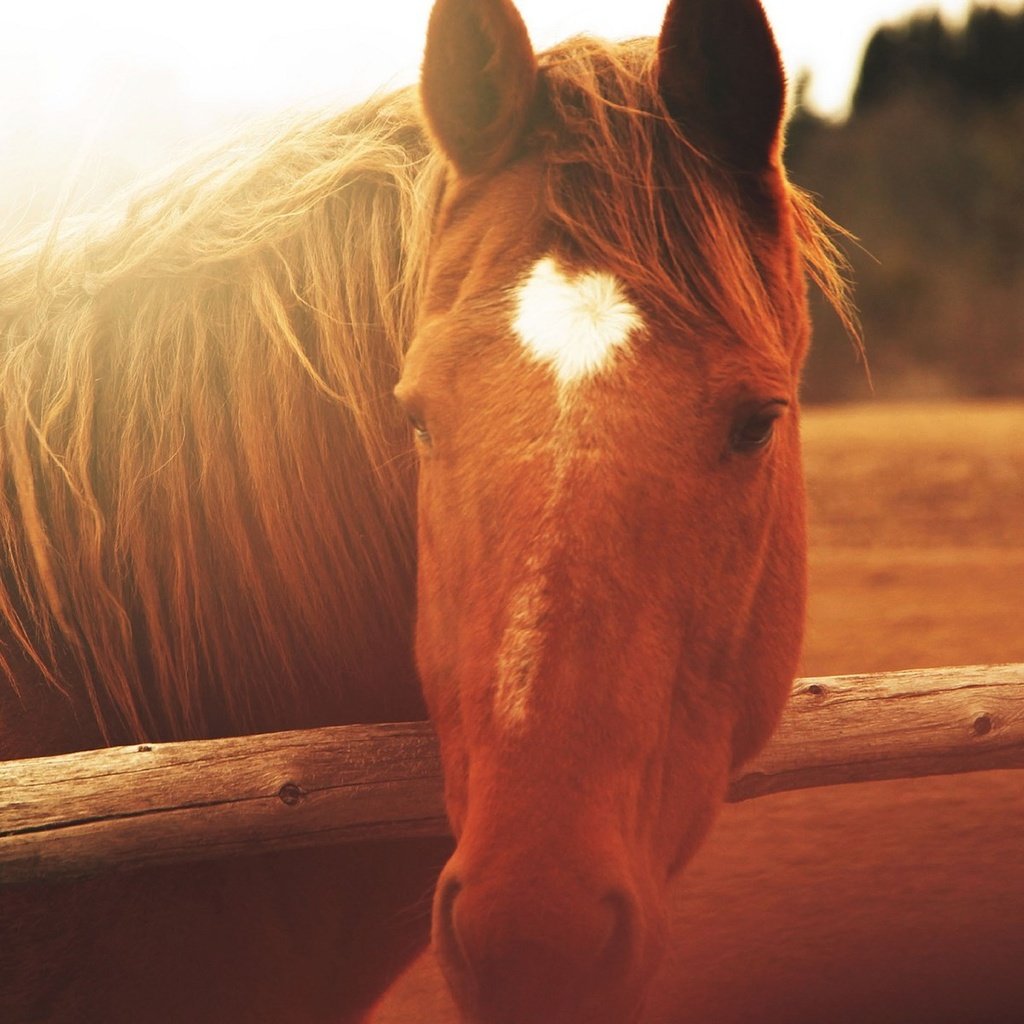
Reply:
x=126, y=807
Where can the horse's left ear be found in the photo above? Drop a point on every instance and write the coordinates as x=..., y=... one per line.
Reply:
x=720, y=76
x=479, y=81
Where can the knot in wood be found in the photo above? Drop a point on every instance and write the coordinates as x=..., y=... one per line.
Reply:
x=982, y=725
x=290, y=794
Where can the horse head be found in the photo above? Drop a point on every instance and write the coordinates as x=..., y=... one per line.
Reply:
x=603, y=393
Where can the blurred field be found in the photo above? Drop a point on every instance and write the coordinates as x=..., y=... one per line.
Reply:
x=888, y=903
x=917, y=536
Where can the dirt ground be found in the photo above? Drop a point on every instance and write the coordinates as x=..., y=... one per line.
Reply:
x=882, y=903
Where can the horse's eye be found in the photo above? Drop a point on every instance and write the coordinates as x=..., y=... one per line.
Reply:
x=754, y=430
x=410, y=405
x=419, y=429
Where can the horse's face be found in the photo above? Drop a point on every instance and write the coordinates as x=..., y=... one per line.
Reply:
x=611, y=546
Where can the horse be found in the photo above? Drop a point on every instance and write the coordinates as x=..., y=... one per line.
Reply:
x=479, y=400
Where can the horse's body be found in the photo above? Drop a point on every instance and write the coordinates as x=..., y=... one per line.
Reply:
x=208, y=523
x=191, y=480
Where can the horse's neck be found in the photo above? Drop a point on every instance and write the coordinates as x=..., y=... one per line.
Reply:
x=38, y=719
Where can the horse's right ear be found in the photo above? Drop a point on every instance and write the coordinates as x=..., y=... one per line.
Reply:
x=479, y=81
x=720, y=77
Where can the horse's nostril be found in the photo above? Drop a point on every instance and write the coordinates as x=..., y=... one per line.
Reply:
x=445, y=934
x=516, y=954
x=621, y=948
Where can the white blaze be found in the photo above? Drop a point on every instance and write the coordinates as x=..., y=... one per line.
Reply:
x=574, y=324
x=522, y=643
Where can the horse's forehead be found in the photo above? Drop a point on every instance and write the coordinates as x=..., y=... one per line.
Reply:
x=575, y=322
x=484, y=233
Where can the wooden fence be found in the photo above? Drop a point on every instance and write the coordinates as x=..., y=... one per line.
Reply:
x=124, y=807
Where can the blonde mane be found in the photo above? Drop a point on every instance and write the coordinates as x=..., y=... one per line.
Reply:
x=198, y=438
x=636, y=196
x=198, y=444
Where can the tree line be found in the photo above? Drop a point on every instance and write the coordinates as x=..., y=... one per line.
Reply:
x=927, y=172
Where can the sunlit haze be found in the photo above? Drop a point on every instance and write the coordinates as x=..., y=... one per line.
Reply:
x=120, y=79
x=57, y=52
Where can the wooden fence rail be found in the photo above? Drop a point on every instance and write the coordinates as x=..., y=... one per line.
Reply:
x=125, y=807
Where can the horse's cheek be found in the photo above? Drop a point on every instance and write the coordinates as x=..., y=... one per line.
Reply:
x=696, y=776
x=774, y=635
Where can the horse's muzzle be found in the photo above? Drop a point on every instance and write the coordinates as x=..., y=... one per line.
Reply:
x=539, y=949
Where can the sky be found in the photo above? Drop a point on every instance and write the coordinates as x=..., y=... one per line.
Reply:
x=57, y=53
x=94, y=93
